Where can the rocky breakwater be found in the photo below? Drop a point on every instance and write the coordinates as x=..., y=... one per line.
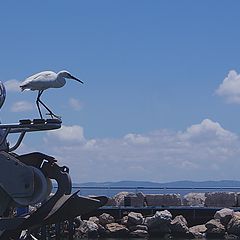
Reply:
x=224, y=225
x=208, y=199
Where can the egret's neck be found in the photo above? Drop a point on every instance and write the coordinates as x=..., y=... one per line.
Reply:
x=60, y=82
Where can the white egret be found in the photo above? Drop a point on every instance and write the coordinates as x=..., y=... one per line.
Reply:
x=44, y=80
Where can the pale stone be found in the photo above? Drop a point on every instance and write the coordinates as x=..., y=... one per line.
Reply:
x=233, y=226
x=135, y=218
x=159, y=222
x=135, y=199
x=215, y=227
x=124, y=220
x=224, y=215
x=111, y=202
x=88, y=229
x=94, y=219
x=194, y=199
x=179, y=225
x=198, y=231
x=116, y=229
x=106, y=218
x=139, y=233
x=139, y=227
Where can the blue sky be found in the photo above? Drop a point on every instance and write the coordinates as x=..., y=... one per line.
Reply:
x=151, y=100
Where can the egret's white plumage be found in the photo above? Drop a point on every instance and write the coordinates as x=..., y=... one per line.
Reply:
x=44, y=80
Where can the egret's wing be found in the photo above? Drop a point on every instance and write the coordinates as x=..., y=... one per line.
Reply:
x=42, y=76
x=39, y=80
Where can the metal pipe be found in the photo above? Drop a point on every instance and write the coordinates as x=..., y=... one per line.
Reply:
x=18, y=142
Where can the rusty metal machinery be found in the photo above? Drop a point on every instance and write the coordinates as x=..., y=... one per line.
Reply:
x=26, y=180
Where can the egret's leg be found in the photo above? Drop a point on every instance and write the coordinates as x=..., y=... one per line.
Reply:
x=44, y=105
x=37, y=102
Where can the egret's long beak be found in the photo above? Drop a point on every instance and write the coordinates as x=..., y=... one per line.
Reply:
x=76, y=79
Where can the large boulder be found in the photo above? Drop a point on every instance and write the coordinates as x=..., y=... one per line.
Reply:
x=94, y=219
x=139, y=227
x=238, y=199
x=220, y=199
x=134, y=219
x=139, y=234
x=215, y=228
x=198, y=231
x=87, y=229
x=163, y=200
x=117, y=230
x=160, y=222
x=224, y=215
x=111, y=202
x=179, y=225
x=106, y=218
x=194, y=199
x=233, y=226
x=129, y=199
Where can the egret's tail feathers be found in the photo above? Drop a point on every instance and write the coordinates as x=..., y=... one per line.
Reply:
x=23, y=88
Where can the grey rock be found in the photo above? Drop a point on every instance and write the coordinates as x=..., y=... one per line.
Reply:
x=224, y=215
x=179, y=225
x=106, y=218
x=111, y=202
x=194, y=199
x=160, y=222
x=135, y=218
x=124, y=220
x=163, y=199
x=233, y=226
x=116, y=229
x=94, y=219
x=220, y=199
x=139, y=234
x=119, y=198
x=102, y=231
x=134, y=199
x=214, y=227
x=198, y=231
x=88, y=229
x=139, y=227
x=231, y=237
x=238, y=199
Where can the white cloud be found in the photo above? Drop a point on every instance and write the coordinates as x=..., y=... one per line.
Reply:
x=208, y=130
x=75, y=104
x=12, y=85
x=136, y=138
x=230, y=88
x=204, y=151
x=22, y=106
x=68, y=134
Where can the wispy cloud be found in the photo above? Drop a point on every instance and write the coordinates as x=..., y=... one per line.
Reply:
x=67, y=134
x=12, y=85
x=161, y=155
x=75, y=104
x=22, y=106
x=230, y=88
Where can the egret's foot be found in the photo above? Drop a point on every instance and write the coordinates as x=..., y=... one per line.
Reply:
x=54, y=116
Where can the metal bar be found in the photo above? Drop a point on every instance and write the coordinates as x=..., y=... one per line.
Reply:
x=3, y=138
x=17, y=128
x=17, y=144
x=155, y=188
